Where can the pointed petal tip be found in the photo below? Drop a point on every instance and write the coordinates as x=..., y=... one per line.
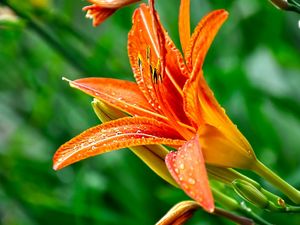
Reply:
x=55, y=167
x=224, y=12
x=66, y=79
x=211, y=208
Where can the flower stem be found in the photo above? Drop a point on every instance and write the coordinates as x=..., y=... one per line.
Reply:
x=235, y=218
x=284, y=187
x=232, y=204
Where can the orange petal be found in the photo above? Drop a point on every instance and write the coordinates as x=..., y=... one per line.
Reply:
x=202, y=38
x=150, y=49
x=184, y=24
x=221, y=149
x=117, y=134
x=113, y=3
x=124, y=95
x=191, y=101
x=98, y=13
x=188, y=169
x=213, y=114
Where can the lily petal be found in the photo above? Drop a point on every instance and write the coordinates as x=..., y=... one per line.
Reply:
x=202, y=38
x=113, y=3
x=187, y=167
x=117, y=134
x=214, y=115
x=155, y=59
x=184, y=24
x=102, y=9
x=123, y=95
x=191, y=101
x=221, y=150
x=98, y=13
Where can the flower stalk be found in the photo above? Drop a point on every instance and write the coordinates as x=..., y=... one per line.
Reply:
x=292, y=193
x=232, y=205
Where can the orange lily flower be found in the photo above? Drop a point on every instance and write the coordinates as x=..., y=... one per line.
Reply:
x=170, y=104
x=100, y=10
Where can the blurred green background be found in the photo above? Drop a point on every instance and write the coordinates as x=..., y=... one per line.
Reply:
x=253, y=68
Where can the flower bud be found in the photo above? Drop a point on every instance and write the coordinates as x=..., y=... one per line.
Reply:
x=179, y=213
x=106, y=112
x=250, y=193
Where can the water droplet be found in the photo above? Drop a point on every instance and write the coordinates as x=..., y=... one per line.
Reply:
x=93, y=147
x=181, y=166
x=191, y=180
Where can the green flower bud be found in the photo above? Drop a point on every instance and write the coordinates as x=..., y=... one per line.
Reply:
x=250, y=193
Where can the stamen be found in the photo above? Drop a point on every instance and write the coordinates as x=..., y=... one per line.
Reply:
x=148, y=54
x=156, y=76
x=140, y=62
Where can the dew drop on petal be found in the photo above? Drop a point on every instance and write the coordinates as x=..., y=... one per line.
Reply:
x=181, y=166
x=191, y=180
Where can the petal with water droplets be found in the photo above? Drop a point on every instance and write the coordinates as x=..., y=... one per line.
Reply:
x=117, y=134
x=155, y=59
x=188, y=169
x=202, y=38
x=191, y=102
x=124, y=95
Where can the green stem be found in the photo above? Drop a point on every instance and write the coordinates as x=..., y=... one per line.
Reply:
x=292, y=209
x=294, y=6
x=232, y=204
x=269, y=175
x=248, y=212
x=235, y=218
